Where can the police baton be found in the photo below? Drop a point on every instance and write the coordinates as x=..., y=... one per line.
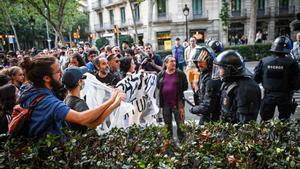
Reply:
x=189, y=102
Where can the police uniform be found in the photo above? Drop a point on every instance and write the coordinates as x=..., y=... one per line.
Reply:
x=279, y=77
x=207, y=97
x=240, y=94
x=240, y=100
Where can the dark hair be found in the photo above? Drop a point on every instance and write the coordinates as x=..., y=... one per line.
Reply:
x=177, y=39
x=92, y=51
x=4, y=79
x=38, y=68
x=80, y=60
x=148, y=44
x=125, y=65
x=7, y=98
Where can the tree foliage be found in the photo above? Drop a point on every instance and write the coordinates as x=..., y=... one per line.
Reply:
x=224, y=15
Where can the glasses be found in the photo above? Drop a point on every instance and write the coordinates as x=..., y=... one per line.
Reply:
x=117, y=61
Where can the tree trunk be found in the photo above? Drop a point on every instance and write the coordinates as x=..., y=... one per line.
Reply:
x=134, y=22
x=12, y=25
x=252, y=24
x=149, y=25
x=70, y=39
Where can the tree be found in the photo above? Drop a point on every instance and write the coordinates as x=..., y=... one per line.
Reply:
x=252, y=26
x=54, y=12
x=224, y=15
x=6, y=5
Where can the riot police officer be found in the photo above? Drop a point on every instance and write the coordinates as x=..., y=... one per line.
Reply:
x=207, y=95
x=278, y=75
x=216, y=45
x=240, y=94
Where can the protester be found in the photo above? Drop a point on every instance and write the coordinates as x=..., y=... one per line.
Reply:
x=92, y=54
x=76, y=60
x=107, y=50
x=130, y=54
x=16, y=75
x=8, y=99
x=114, y=66
x=127, y=66
x=103, y=74
x=63, y=58
x=171, y=83
x=73, y=82
x=4, y=79
x=49, y=114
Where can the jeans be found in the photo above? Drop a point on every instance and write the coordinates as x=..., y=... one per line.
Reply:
x=167, y=115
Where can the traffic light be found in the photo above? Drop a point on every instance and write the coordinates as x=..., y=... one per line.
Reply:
x=116, y=29
x=75, y=35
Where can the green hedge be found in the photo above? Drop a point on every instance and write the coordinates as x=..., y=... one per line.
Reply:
x=252, y=52
x=219, y=145
x=249, y=52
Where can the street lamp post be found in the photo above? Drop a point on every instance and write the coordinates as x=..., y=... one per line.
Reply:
x=32, y=23
x=48, y=38
x=186, y=12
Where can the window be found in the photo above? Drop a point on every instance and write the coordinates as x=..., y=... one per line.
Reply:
x=163, y=40
x=236, y=5
x=161, y=8
x=197, y=7
x=123, y=18
x=261, y=5
x=283, y=4
x=111, y=17
x=101, y=20
x=137, y=12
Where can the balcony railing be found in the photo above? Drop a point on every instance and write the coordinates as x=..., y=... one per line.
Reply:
x=201, y=15
x=285, y=10
x=162, y=18
x=109, y=3
x=98, y=27
x=241, y=13
x=96, y=5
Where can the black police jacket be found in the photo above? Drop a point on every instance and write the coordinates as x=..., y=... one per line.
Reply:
x=277, y=74
x=240, y=100
x=207, y=98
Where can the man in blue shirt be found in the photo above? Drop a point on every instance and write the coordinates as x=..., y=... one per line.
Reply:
x=178, y=53
x=49, y=114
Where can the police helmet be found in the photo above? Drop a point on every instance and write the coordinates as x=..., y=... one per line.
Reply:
x=216, y=45
x=232, y=64
x=196, y=56
x=282, y=44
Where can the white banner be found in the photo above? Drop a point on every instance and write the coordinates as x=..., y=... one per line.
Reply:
x=140, y=105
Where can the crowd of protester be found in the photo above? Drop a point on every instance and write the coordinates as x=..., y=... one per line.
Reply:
x=58, y=76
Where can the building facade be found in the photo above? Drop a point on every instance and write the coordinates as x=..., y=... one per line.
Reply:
x=162, y=21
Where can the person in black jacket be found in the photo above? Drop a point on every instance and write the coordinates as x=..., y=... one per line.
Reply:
x=240, y=98
x=207, y=95
x=171, y=83
x=279, y=77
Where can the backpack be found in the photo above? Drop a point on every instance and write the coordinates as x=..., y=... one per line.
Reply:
x=20, y=118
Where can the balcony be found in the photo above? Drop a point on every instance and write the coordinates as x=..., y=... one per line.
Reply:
x=113, y=3
x=163, y=18
x=264, y=12
x=285, y=11
x=99, y=28
x=96, y=5
x=203, y=15
x=239, y=14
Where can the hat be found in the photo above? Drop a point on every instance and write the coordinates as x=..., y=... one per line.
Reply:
x=72, y=75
